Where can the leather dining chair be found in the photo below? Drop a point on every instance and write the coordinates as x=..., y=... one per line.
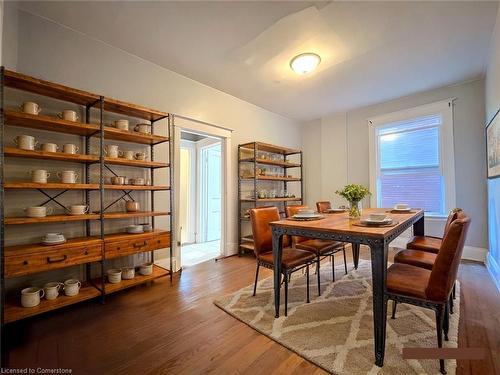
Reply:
x=431, y=288
x=320, y=248
x=323, y=206
x=292, y=259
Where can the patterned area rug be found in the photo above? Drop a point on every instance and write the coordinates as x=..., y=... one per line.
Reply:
x=335, y=331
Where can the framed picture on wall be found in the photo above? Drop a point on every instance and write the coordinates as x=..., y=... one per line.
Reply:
x=493, y=146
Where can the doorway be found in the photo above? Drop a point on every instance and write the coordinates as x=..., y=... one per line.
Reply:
x=200, y=197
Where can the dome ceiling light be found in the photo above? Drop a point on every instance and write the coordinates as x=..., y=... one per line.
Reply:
x=305, y=63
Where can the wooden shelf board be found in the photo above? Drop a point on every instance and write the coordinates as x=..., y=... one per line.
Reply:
x=271, y=162
x=135, y=163
x=137, y=280
x=126, y=215
x=38, y=86
x=49, y=123
x=123, y=235
x=132, y=110
x=49, y=219
x=271, y=178
x=13, y=309
x=58, y=156
x=49, y=185
x=261, y=146
x=133, y=137
x=38, y=247
x=247, y=246
x=272, y=199
x=248, y=238
x=136, y=187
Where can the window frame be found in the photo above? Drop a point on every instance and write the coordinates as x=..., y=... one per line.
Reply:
x=444, y=108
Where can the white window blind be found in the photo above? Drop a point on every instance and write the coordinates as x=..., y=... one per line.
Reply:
x=409, y=168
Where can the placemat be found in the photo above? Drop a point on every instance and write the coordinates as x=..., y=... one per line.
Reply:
x=360, y=224
x=305, y=218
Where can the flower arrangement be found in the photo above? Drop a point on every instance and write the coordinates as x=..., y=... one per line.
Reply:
x=354, y=193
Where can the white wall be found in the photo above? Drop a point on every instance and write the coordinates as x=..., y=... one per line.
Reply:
x=38, y=47
x=344, y=146
x=492, y=105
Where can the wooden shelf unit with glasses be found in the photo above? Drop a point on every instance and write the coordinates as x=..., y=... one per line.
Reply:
x=262, y=164
x=93, y=249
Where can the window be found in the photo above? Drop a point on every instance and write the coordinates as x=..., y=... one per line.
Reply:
x=411, y=155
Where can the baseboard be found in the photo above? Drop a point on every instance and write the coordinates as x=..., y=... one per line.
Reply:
x=494, y=270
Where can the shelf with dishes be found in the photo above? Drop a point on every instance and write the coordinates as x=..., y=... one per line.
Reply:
x=276, y=163
x=289, y=199
x=271, y=178
x=269, y=148
x=49, y=186
x=119, y=283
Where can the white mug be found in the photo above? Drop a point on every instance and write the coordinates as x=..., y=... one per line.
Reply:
x=70, y=148
x=40, y=176
x=143, y=128
x=78, y=209
x=140, y=155
x=146, y=269
x=31, y=108
x=25, y=142
x=52, y=290
x=72, y=287
x=112, y=151
x=121, y=124
x=49, y=147
x=68, y=115
x=129, y=155
x=68, y=177
x=30, y=297
x=38, y=211
x=138, y=181
x=114, y=275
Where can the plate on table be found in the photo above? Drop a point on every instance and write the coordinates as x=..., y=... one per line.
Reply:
x=402, y=210
x=369, y=221
x=307, y=216
x=334, y=210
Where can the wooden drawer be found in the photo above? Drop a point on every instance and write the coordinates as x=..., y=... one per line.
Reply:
x=24, y=260
x=119, y=245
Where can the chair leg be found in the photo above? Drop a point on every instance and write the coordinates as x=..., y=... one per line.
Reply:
x=454, y=295
x=345, y=260
x=394, y=305
x=256, y=278
x=333, y=268
x=307, y=276
x=318, y=274
x=446, y=320
x=451, y=304
x=439, y=331
x=286, y=294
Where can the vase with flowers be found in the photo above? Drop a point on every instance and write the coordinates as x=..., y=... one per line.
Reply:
x=354, y=193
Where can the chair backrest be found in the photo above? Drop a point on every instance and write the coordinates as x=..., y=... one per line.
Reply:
x=452, y=216
x=444, y=271
x=323, y=206
x=262, y=234
x=290, y=211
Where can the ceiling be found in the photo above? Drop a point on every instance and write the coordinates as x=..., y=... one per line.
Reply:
x=371, y=51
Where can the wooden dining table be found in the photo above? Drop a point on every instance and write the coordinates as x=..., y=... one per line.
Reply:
x=339, y=227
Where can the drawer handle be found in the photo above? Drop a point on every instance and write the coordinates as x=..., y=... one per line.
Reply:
x=140, y=244
x=57, y=260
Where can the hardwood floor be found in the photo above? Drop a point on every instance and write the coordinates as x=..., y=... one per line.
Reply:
x=160, y=329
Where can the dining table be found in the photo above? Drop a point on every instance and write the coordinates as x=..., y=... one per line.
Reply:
x=339, y=227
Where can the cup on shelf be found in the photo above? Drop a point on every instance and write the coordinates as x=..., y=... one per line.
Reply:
x=146, y=227
x=72, y=287
x=31, y=108
x=118, y=180
x=114, y=275
x=25, y=142
x=140, y=156
x=52, y=290
x=132, y=206
x=67, y=177
x=78, y=209
x=49, y=147
x=146, y=269
x=128, y=273
x=143, y=128
x=138, y=181
x=70, y=148
x=38, y=211
x=129, y=155
x=112, y=151
x=68, y=115
x=40, y=176
x=30, y=297
x=121, y=124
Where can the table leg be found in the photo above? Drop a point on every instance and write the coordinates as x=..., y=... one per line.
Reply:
x=379, y=252
x=355, y=254
x=419, y=227
x=277, y=254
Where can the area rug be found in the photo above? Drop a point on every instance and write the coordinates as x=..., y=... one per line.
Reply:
x=335, y=330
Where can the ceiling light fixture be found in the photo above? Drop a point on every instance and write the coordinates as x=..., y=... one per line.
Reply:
x=305, y=63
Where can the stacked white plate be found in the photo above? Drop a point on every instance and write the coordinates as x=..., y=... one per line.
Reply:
x=135, y=229
x=407, y=209
x=370, y=221
x=334, y=210
x=53, y=239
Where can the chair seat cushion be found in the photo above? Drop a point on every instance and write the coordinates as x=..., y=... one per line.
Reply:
x=319, y=247
x=425, y=243
x=291, y=258
x=416, y=258
x=407, y=280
